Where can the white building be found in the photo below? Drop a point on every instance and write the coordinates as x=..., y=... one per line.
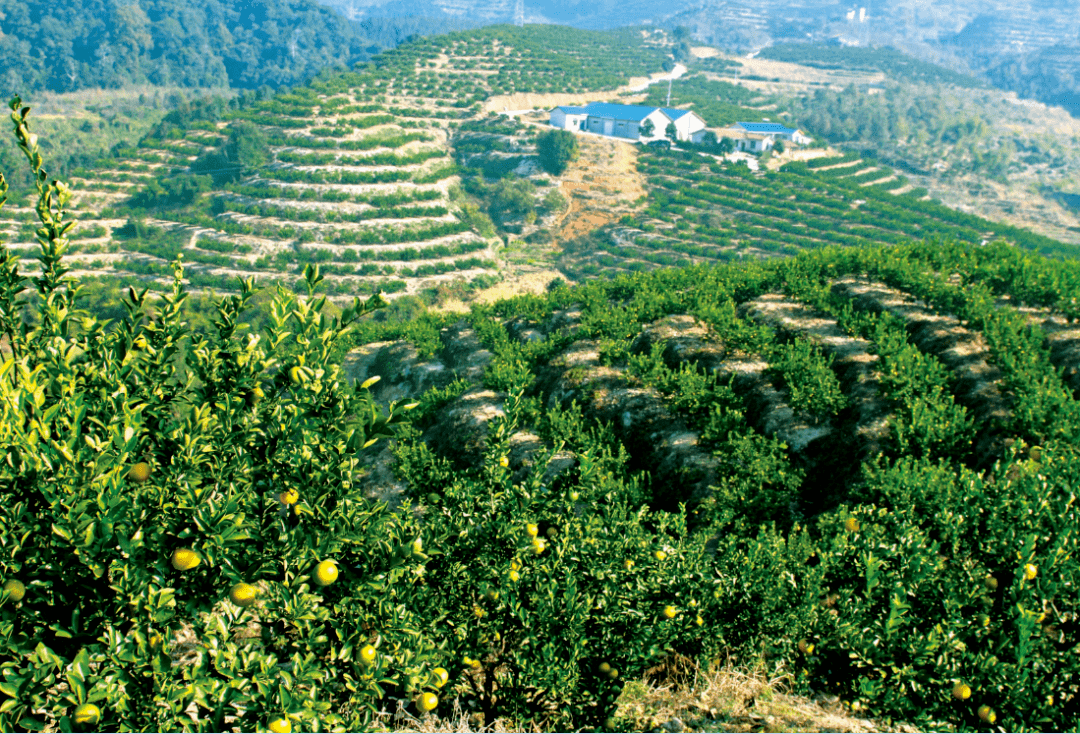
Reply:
x=773, y=130
x=628, y=121
x=568, y=118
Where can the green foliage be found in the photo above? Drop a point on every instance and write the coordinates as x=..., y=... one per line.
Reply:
x=556, y=148
x=120, y=455
x=895, y=64
x=91, y=43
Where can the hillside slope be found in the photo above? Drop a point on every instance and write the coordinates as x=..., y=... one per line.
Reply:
x=81, y=44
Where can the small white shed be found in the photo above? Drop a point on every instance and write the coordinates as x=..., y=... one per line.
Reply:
x=568, y=118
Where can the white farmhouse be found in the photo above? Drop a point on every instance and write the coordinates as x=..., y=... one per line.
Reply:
x=628, y=121
x=568, y=118
x=773, y=130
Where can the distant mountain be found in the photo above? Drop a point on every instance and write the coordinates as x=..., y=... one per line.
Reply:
x=76, y=44
x=593, y=14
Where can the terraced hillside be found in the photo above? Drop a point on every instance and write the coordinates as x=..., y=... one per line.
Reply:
x=704, y=209
x=355, y=172
x=859, y=439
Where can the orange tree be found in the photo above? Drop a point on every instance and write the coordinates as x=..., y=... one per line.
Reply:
x=152, y=481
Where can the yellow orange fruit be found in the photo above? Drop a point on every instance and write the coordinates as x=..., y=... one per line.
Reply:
x=851, y=525
x=699, y=621
x=367, y=654
x=440, y=677
x=427, y=702
x=991, y=583
x=987, y=714
x=961, y=691
x=1030, y=571
x=289, y=497
x=185, y=559
x=660, y=555
x=326, y=573
x=504, y=462
x=243, y=595
x=87, y=714
x=478, y=612
x=613, y=674
x=670, y=612
x=280, y=725
x=604, y=668
x=574, y=496
x=538, y=546
x=514, y=576
x=140, y=472
x=15, y=589
x=806, y=647
x=532, y=530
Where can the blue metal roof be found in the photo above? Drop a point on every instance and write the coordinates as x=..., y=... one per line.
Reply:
x=572, y=110
x=674, y=114
x=765, y=127
x=636, y=113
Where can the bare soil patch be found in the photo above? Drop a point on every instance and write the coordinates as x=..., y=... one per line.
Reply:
x=601, y=186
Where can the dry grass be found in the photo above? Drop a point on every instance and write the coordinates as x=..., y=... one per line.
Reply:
x=726, y=698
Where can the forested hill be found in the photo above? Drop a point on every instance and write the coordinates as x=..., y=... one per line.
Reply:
x=77, y=44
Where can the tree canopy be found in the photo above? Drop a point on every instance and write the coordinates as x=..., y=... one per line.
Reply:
x=78, y=44
x=556, y=148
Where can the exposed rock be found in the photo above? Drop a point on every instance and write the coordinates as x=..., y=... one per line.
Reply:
x=854, y=363
x=461, y=428
x=963, y=351
x=1062, y=339
x=404, y=374
x=463, y=353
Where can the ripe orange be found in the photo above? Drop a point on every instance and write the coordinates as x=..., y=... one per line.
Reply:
x=427, y=702
x=604, y=668
x=326, y=573
x=538, y=546
x=15, y=589
x=243, y=595
x=660, y=555
x=514, y=576
x=574, y=496
x=806, y=647
x=987, y=714
x=961, y=691
x=280, y=725
x=87, y=714
x=851, y=525
x=613, y=674
x=515, y=565
x=670, y=612
x=440, y=677
x=1030, y=571
x=504, y=462
x=289, y=497
x=140, y=472
x=367, y=654
x=532, y=530
x=185, y=559
x=699, y=621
